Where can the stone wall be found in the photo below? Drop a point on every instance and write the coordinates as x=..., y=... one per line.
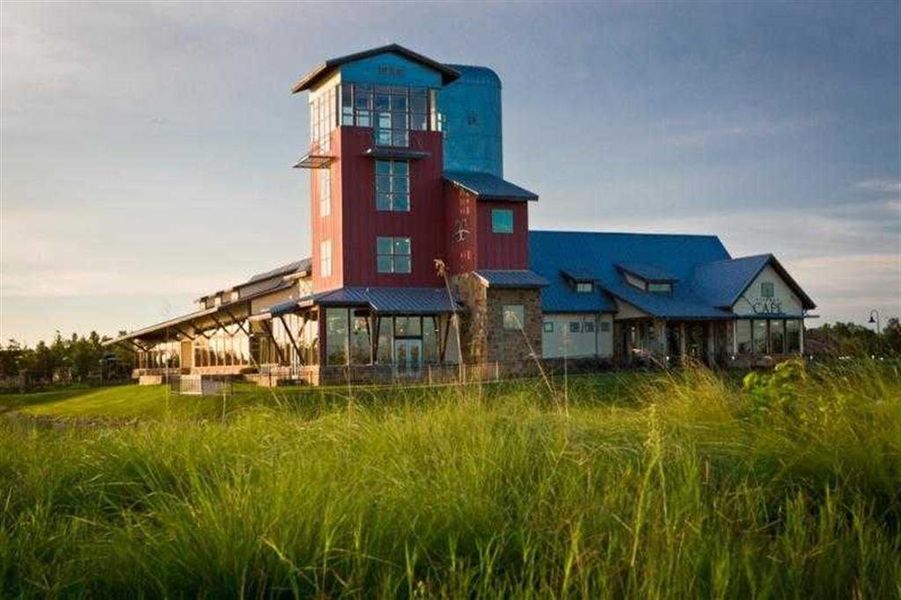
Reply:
x=514, y=347
x=473, y=319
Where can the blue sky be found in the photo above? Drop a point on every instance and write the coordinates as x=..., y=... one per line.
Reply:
x=146, y=147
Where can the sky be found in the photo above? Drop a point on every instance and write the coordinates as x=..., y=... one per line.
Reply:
x=145, y=149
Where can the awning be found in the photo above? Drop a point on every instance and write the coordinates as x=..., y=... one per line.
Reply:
x=512, y=278
x=486, y=186
x=390, y=152
x=314, y=161
x=395, y=300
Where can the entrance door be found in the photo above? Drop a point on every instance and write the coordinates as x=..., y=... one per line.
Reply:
x=408, y=357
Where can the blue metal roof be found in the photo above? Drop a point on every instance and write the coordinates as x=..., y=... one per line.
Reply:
x=391, y=300
x=647, y=272
x=486, y=186
x=517, y=278
x=722, y=282
x=598, y=255
x=577, y=275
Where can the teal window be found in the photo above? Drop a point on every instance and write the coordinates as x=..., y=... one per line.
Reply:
x=584, y=287
x=767, y=290
x=392, y=185
x=393, y=255
x=501, y=220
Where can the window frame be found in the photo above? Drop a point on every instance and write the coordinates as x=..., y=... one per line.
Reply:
x=325, y=191
x=386, y=172
x=393, y=255
x=501, y=228
x=580, y=287
x=325, y=258
x=513, y=309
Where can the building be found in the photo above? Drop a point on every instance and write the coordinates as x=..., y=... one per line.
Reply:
x=422, y=258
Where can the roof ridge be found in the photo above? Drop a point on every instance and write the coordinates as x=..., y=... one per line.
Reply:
x=634, y=233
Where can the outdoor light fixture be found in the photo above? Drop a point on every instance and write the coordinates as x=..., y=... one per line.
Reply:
x=875, y=320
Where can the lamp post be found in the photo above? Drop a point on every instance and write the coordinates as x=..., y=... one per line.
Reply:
x=875, y=320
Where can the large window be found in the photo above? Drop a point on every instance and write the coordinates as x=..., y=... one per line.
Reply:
x=325, y=192
x=323, y=118
x=392, y=111
x=501, y=220
x=360, y=339
x=392, y=185
x=325, y=258
x=743, y=336
x=758, y=336
x=793, y=336
x=514, y=316
x=393, y=255
x=777, y=337
x=336, y=339
x=768, y=336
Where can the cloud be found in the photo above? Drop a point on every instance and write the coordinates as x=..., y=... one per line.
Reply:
x=882, y=185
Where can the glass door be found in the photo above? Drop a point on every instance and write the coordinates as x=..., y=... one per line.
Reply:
x=408, y=357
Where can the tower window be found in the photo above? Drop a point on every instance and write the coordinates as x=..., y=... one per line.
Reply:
x=393, y=255
x=392, y=111
x=325, y=192
x=392, y=185
x=325, y=258
x=501, y=220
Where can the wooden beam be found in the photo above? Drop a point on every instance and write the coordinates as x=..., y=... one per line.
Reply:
x=290, y=335
x=239, y=323
x=267, y=326
x=447, y=329
x=183, y=333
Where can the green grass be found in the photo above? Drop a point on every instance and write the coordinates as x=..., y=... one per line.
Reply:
x=670, y=485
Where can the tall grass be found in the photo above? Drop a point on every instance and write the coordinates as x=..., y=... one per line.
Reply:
x=691, y=488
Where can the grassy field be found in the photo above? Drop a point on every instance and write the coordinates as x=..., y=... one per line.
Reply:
x=641, y=485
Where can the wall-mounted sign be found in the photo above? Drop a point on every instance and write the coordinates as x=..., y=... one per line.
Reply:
x=766, y=306
x=392, y=71
x=460, y=231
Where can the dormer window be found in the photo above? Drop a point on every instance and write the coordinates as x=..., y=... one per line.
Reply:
x=647, y=278
x=584, y=287
x=636, y=281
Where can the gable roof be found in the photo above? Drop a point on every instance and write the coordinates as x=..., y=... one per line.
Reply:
x=486, y=186
x=321, y=72
x=598, y=253
x=723, y=282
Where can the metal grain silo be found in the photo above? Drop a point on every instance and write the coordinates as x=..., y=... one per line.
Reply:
x=471, y=106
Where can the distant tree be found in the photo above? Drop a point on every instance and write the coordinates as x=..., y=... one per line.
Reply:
x=891, y=337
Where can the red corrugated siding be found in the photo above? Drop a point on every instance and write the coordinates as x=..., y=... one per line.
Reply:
x=423, y=224
x=460, y=214
x=329, y=227
x=503, y=250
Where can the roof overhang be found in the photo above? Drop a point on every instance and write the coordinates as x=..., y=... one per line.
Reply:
x=390, y=152
x=314, y=161
x=320, y=73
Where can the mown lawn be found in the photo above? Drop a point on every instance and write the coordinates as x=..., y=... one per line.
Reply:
x=667, y=485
